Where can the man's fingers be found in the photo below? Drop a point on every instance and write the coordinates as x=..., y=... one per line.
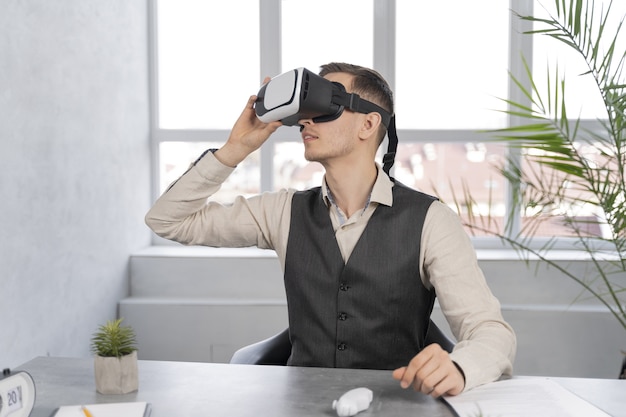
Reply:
x=430, y=383
x=405, y=376
x=398, y=373
x=431, y=372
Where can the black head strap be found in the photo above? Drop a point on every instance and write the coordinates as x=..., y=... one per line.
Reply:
x=392, y=135
x=354, y=102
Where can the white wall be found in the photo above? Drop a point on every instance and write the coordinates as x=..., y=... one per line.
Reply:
x=74, y=168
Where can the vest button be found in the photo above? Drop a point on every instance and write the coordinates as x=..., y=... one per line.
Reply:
x=342, y=346
x=342, y=316
x=343, y=287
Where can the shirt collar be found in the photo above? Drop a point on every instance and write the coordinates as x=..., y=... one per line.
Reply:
x=381, y=192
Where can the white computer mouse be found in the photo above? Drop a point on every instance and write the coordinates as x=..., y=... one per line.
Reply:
x=353, y=402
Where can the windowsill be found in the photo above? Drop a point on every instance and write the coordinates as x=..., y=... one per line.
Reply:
x=174, y=250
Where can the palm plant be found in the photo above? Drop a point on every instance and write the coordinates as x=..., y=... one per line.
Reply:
x=559, y=165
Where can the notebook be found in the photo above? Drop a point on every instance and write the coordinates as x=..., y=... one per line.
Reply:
x=128, y=409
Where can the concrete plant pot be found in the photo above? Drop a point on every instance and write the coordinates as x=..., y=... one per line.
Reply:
x=116, y=375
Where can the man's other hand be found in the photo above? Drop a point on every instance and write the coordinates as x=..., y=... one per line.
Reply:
x=431, y=372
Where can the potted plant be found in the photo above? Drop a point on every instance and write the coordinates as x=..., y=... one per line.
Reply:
x=559, y=164
x=115, y=362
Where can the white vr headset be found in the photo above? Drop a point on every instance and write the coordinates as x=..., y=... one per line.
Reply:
x=301, y=94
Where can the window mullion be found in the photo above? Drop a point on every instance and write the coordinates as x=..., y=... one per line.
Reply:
x=520, y=45
x=385, y=39
x=153, y=68
x=270, y=37
x=270, y=50
x=440, y=135
x=385, y=46
x=267, y=166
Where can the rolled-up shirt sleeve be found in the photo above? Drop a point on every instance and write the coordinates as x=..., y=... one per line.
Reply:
x=486, y=343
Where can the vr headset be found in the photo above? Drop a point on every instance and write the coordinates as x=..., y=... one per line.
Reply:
x=301, y=94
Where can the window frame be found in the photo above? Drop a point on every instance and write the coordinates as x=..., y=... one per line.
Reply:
x=384, y=58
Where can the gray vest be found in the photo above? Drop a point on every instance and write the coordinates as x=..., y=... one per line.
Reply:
x=371, y=312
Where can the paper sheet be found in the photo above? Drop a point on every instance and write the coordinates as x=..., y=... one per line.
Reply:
x=130, y=409
x=522, y=397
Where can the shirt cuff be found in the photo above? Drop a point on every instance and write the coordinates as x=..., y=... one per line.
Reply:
x=210, y=168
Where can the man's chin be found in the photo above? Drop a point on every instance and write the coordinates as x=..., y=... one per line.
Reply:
x=311, y=157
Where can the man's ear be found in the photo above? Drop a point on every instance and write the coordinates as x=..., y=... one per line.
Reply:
x=370, y=125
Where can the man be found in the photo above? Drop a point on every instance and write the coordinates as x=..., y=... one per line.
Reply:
x=363, y=255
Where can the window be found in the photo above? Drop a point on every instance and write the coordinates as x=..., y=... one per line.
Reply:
x=451, y=63
x=201, y=83
x=447, y=62
x=583, y=100
x=582, y=92
x=317, y=32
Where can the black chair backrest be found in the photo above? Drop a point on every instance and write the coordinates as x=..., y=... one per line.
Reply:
x=277, y=349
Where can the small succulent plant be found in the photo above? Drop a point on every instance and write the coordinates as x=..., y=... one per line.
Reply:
x=114, y=340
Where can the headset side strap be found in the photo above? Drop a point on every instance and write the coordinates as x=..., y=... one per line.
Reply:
x=354, y=102
x=389, y=157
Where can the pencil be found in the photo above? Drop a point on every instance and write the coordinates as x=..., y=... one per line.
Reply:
x=86, y=412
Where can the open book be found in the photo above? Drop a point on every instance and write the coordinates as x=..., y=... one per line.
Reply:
x=129, y=409
x=522, y=397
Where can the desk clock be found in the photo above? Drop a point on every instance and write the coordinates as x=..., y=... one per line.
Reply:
x=17, y=393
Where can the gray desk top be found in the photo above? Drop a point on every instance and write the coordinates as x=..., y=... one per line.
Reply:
x=183, y=389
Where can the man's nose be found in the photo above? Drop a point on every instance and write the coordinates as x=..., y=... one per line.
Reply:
x=304, y=122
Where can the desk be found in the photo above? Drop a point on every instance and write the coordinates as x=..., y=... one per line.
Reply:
x=184, y=389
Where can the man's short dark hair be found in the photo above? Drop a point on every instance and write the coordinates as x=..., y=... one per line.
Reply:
x=367, y=83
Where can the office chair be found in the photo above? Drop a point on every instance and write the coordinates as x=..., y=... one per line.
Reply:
x=277, y=349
